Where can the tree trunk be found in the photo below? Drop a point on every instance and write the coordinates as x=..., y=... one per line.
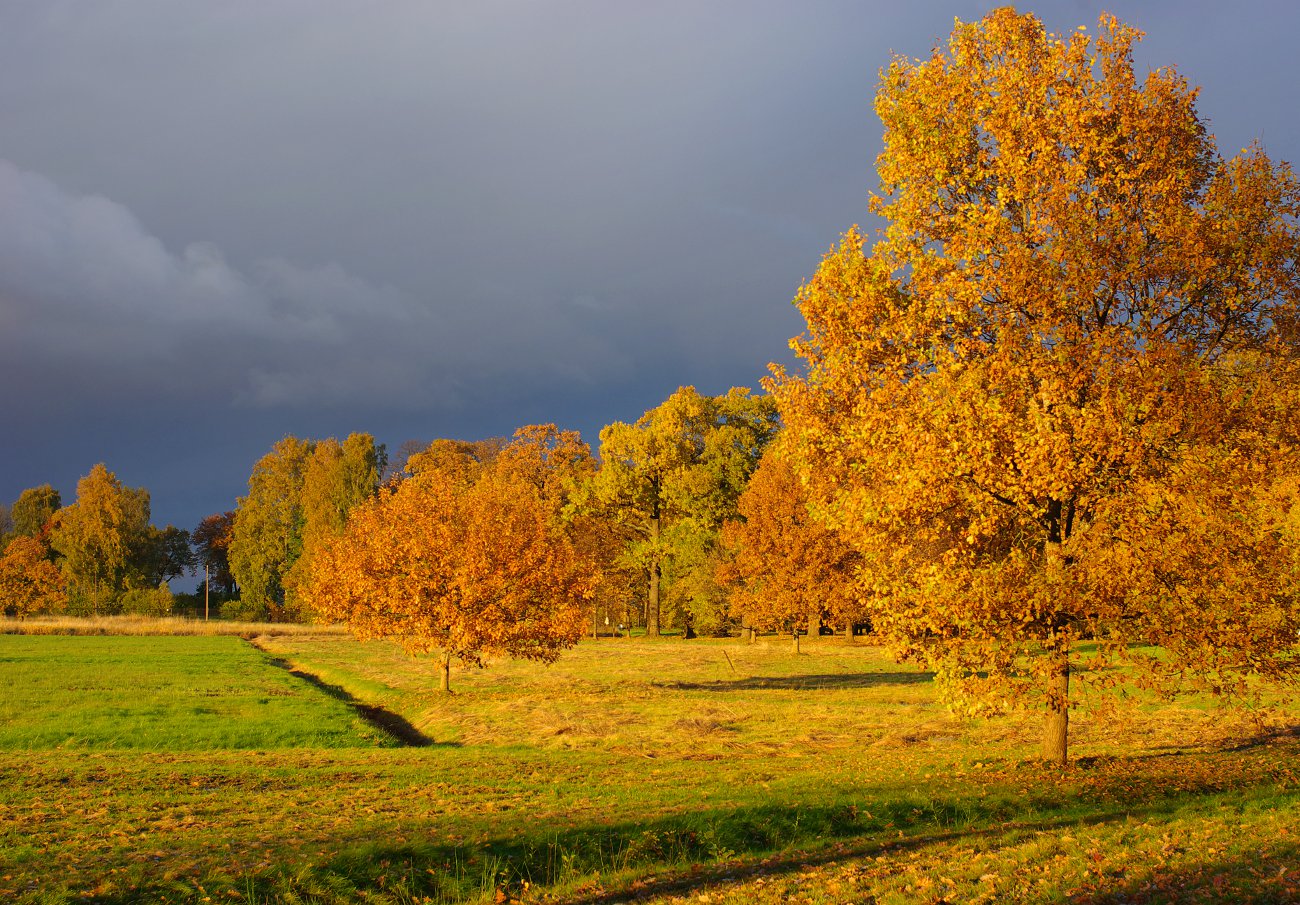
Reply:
x=1057, y=728
x=444, y=677
x=1056, y=731
x=750, y=635
x=652, y=609
x=814, y=626
x=848, y=630
x=795, y=633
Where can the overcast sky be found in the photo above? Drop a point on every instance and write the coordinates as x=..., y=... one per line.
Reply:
x=224, y=222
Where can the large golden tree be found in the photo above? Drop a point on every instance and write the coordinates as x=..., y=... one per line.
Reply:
x=1057, y=399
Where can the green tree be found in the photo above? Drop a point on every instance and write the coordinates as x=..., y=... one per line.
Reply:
x=337, y=477
x=97, y=538
x=34, y=510
x=671, y=478
x=267, y=536
x=160, y=555
x=155, y=602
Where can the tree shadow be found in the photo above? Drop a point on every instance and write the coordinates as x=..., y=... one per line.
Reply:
x=386, y=721
x=1265, y=737
x=806, y=682
x=1262, y=878
x=715, y=848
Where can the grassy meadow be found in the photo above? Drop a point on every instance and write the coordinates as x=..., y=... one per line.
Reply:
x=306, y=767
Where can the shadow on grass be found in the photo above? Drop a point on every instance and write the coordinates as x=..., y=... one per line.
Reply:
x=715, y=848
x=1264, y=877
x=805, y=683
x=391, y=724
x=1266, y=737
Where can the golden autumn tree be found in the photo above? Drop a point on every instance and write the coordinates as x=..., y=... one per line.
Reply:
x=785, y=570
x=1057, y=399
x=461, y=558
x=29, y=582
x=463, y=457
x=98, y=538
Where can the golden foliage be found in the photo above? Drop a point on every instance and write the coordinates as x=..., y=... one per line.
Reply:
x=97, y=535
x=1058, y=399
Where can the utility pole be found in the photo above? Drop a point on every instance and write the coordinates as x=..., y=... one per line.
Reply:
x=205, y=592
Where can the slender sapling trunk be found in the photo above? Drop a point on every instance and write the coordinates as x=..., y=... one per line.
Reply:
x=652, y=607
x=444, y=674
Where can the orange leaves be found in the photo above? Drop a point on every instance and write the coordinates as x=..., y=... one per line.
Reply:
x=785, y=569
x=466, y=560
x=29, y=582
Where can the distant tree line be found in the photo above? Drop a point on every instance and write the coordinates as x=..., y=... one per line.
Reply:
x=99, y=555
x=656, y=523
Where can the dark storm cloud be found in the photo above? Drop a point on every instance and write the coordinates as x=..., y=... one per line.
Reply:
x=221, y=222
x=86, y=290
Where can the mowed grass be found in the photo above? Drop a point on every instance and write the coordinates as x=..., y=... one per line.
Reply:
x=660, y=771
x=162, y=693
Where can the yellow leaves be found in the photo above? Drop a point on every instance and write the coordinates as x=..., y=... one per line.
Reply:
x=1026, y=360
x=96, y=535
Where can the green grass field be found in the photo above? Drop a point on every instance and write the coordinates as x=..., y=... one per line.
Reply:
x=162, y=694
x=201, y=769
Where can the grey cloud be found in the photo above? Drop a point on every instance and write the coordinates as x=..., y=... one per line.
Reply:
x=83, y=283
